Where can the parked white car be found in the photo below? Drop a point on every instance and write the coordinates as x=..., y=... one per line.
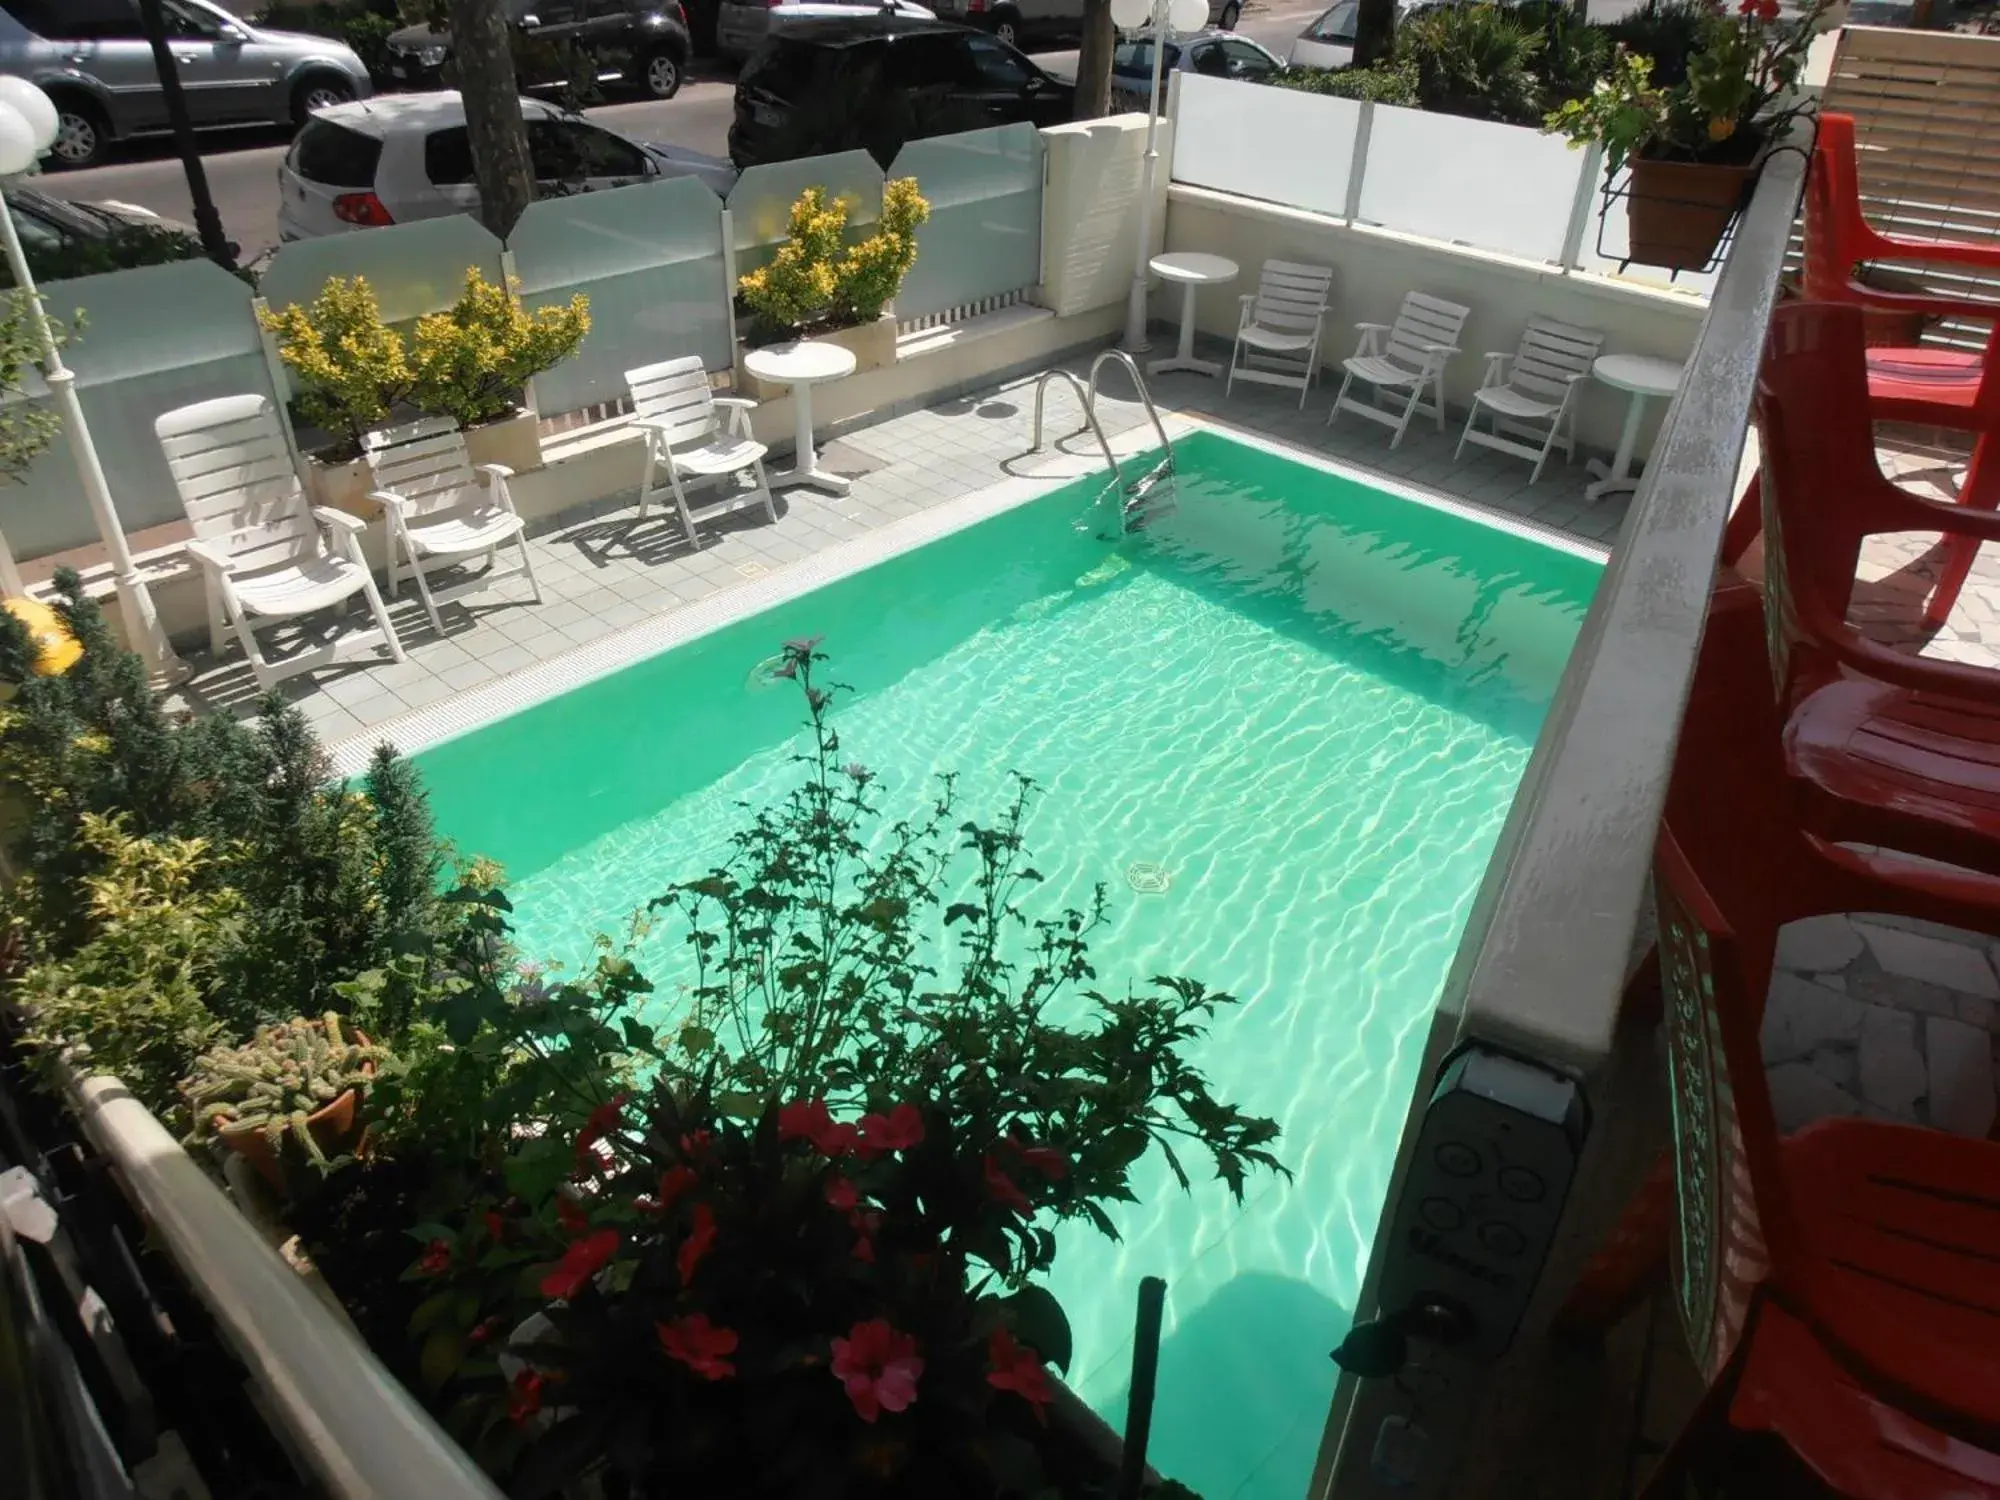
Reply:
x=742, y=25
x=1329, y=41
x=405, y=156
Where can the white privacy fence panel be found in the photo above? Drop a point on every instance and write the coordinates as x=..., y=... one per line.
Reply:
x=650, y=258
x=760, y=205
x=1276, y=144
x=984, y=235
x=414, y=268
x=152, y=339
x=1470, y=182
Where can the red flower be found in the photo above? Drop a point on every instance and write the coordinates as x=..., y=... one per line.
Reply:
x=673, y=1182
x=1001, y=1189
x=481, y=1332
x=695, y=1143
x=580, y=1262
x=496, y=1226
x=524, y=1397
x=809, y=1120
x=1768, y=12
x=603, y=1120
x=841, y=1194
x=699, y=1345
x=878, y=1366
x=864, y=1250
x=437, y=1258
x=1051, y=1163
x=1018, y=1368
x=570, y=1214
x=899, y=1130
x=698, y=1243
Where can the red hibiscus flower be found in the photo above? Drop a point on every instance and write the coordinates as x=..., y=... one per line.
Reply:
x=1002, y=1190
x=699, y=1345
x=898, y=1130
x=695, y=1143
x=1018, y=1368
x=496, y=1227
x=1051, y=1163
x=810, y=1121
x=437, y=1258
x=878, y=1366
x=864, y=1250
x=603, y=1120
x=673, y=1182
x=841, y=1194
x=570, y=1214
x=524, y=1397
x=580, y=1262
x=700, y=1240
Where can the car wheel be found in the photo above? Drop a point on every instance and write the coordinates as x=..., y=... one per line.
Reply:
x=82, y=136
x=660, y=75
x=1231, y=14
x=322, y=91
x=1007, y=26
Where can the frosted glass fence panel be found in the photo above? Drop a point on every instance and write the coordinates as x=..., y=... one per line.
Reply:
x=414, y=268
x=984, y=236
x=1275, y=144
x=650, y=260
x=1469, y=182
x=153, y=339
x=760, y=204
x=1607, y=240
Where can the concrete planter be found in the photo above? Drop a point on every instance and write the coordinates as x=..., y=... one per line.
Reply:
x=342, y=487
x=515, y=441
x=872, y=344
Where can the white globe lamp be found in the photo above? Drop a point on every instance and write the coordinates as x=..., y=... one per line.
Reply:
x=1186, y=16
x=17, y=142
x=1130, y=15
x=33, y=106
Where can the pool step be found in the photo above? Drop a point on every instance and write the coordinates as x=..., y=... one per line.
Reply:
x=1150, y=497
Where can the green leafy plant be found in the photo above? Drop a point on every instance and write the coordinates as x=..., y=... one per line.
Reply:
x=1667, y=31
x=365, y=25
x=1731, y=101
x=815, y=280
x=471, y=361
x=1395, y=83
x=1473, y=60
x=25, y=429
x=351, y=366
x=279, y=1079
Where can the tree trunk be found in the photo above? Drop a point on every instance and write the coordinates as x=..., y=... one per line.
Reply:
x=1093, y=61
x=1374, y=32
x=485, y=64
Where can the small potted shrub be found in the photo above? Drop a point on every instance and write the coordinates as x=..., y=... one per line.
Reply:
x=1695, y=146
x=473, y=361
x=819, y=287
x=299, y=1084
x=352, y=371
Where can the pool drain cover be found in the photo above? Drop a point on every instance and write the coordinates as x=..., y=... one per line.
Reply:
x=1148, y=878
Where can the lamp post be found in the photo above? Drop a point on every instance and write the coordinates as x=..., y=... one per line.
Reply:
x=1164, y=17
x=27, y=129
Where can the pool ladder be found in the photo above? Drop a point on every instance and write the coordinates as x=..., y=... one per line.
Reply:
x=1146, y=498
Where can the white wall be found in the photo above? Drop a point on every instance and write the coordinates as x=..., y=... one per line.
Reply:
x=1090, y=209
x=1375, y=267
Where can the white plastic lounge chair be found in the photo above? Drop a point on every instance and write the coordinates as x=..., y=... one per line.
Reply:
x=261, y=549
x=1277, y=335
x=442, y=510
x=1406, y=359
x=686, y=435
x=1530, y=395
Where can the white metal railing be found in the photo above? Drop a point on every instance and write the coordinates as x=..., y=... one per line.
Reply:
x=348, y=1423
x=1543, y=963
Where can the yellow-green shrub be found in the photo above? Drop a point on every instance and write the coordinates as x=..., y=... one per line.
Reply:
x=871, y=273
x=816, y=278
x=472, y=360
x=351, y=366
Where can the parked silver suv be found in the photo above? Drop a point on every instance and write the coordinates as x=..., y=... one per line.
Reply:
x=92, y=58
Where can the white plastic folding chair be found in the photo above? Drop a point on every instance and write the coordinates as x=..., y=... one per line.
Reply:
x=688, y=436
x=1529, y=396
x=441, y=510
x=1405, y=359
x=1277, y=333
x=261, y=548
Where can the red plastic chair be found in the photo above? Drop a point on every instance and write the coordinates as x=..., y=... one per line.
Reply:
x=1880, y=747
x=1867, y=1250
x=1916, y=383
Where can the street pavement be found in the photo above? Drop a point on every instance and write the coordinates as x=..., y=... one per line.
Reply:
x=242, y=165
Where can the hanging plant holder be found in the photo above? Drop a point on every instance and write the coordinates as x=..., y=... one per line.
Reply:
x=1679, y=215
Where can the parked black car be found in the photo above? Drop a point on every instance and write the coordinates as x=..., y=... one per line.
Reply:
x=639, y=44
x=875, y=82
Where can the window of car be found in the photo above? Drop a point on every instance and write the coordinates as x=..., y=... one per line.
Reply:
x=785, y=69
x=187, y=22
x=78, y=20
x=563, y=150
x=36, y=232
x=335, y=156
x=995, y=65
x=924, y=59
x=448, y=157
x=1337, y=25
x=1243, y=59
x=1137, y=57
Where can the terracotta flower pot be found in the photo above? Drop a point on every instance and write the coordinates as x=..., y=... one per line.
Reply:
x=1679, y=210
x=335, y=1126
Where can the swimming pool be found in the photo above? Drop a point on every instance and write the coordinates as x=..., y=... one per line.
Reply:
x=1284, y=724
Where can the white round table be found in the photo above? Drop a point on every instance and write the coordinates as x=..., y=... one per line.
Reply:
x=803, y=364
x=1642, y=375
x=1192, y=270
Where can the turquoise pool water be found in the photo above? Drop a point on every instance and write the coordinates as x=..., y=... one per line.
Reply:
x=1306, y=701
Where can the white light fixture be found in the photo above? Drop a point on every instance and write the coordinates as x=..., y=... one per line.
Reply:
x=1164, y=17
x=27, y=130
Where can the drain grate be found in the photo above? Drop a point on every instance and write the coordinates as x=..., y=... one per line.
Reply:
x=1148, y=878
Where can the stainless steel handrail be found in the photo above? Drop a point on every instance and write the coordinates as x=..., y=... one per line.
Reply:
x=347, y=1421
x=1119, y=356
x=1089, y=416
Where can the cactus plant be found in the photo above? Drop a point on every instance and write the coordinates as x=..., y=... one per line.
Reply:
x=292, y=1080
